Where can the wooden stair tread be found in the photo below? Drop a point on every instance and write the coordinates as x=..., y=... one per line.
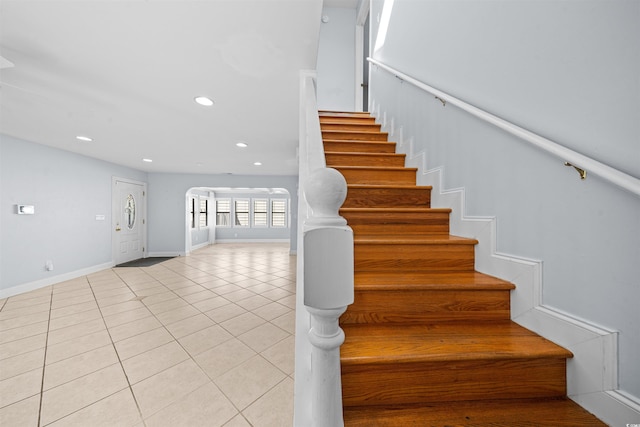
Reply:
x=377, y=168
x=389, y=187
x=549, y=412
x=443, y=342
x=462, y=280
x=407, y=239
x=338, y=113
x=347, y=153
x=395, y=210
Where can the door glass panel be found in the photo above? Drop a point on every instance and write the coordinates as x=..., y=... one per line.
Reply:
x=130, y=211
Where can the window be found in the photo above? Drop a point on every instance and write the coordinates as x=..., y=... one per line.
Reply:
x=241, y=213
x=204, y=213
x=192, y=211
x=223, y=213
x=260, y=212
x=278, y=212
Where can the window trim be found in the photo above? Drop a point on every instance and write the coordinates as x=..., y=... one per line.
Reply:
x=285, y=212
x=229, y=200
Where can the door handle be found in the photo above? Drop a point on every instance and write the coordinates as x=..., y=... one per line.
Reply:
x=118, y=228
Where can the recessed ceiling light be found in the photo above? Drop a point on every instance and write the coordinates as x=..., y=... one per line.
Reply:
x=242, y=144
x=147, y=160
x=84, y=138
x=257, y=163
x=203, y=100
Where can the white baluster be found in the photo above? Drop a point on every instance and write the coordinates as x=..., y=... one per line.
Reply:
x=328, y=289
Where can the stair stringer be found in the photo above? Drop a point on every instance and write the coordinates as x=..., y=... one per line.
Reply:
x=592, y=374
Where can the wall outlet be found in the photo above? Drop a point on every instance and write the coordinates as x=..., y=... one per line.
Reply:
x=48, y=265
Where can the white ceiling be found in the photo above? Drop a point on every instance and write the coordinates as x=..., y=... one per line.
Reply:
x=125, y=73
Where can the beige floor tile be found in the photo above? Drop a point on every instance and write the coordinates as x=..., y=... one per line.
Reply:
x=22, y=346
x=156, y=289
x=286, y=322
x=274, y=409
x=121, y=308
x=24, y=332
x=253, y=302
x=20, y=387
x=225, y=312
x=24, y=320
x=289, y=301
x=271, y=311
x=190, y=325
x=66, y=302
x=227, y=288
x=151, y=362
x=21, y=414
x=21, y=363
x=263, y=337
x=105, y=302
x=239, y=295
x=282, y=355
x=211, y=303
x=248, y=381
x=74, y=319
x=78, y=366
x=74, y=309
x=206, y=406
x=199, y=296
x=119, y=409
x=127, y=330
x=143, y=342
x=238, y=421
x=243, y=323
x=84, y=391
x=158, y=298
x=28, y=299
x=204, y=339
x=23, y=311
x=277, y=294
x=167, y=305
x=189, y=290
x=127, y=316
x=175, y=315
x=75, y=331
x=73, y=347
x=224, y=357
x=167, y=387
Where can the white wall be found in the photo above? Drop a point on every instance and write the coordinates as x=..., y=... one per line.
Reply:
x=166, y=204
x=336, y=60
x=566, y=70
x=68, y=191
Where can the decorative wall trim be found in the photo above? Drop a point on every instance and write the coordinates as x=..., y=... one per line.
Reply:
x=592, y=374
x=32, y=286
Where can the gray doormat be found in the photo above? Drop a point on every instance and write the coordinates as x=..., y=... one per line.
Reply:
x=145, y=262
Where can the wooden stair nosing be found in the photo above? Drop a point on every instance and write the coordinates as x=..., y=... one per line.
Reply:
x=418, y=240
x=428, y=280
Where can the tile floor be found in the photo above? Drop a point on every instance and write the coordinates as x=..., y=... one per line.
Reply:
x=203, y=340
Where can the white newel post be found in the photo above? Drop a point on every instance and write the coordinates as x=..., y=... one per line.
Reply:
x=328, y=289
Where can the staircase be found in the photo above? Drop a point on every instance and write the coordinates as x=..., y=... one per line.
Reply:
x=429, y=341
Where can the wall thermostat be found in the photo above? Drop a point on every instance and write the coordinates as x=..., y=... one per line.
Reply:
x=25, y=209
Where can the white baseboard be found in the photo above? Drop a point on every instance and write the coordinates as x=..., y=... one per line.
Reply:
x=253, y=241
x=166, y=254
x=592, y=373
x=32, y=286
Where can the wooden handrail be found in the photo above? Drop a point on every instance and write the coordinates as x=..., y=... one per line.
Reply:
x=574, y=158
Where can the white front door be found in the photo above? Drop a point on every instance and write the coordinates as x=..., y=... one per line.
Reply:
x=128, y=220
